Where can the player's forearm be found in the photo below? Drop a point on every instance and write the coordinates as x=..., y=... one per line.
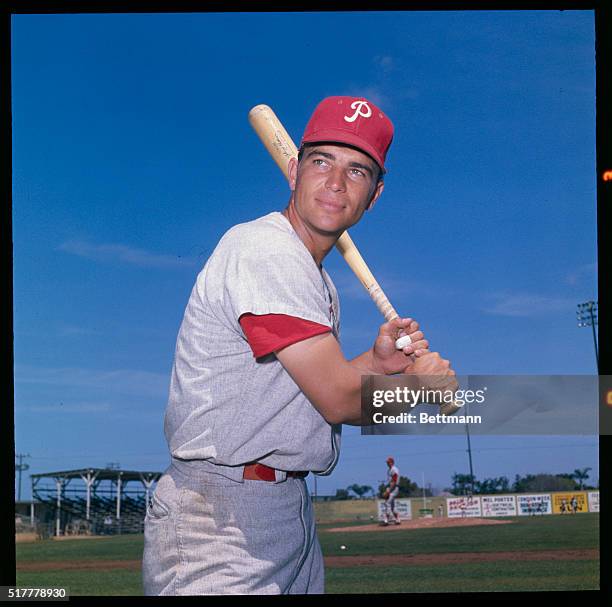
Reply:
x=344, y=407
x=339, y=399
x=349, y=405
x=329, y=381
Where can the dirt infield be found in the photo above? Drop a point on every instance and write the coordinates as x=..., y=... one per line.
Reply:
x=98, y=565
x=33, y=537
x=424, y=523
x=456, y=558
x=382, y=560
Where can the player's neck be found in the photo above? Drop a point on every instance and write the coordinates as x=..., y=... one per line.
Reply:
x=318, y=244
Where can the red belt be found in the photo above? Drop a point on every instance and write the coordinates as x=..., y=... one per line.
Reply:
x=261, y=472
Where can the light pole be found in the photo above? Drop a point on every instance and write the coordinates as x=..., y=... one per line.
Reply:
x=469, y=450
x=21, y=467
x=587, y=317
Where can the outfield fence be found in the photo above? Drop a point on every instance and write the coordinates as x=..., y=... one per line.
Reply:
x=124, y=513
x=516, y=504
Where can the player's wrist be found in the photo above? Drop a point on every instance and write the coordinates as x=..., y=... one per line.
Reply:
x=380, y=365
x=365, y=363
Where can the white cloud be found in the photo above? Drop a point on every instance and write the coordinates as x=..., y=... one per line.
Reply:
x=119, y=381
x=349, y=286
x=527, y=304
x=114, y=252
x=582, y=274
x=371, y=93
x=67, y=408
x=385, y=62
x=408, y=93
x=65, y=330
x=396, y=288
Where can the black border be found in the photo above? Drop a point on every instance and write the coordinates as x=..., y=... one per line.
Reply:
x=603, y=49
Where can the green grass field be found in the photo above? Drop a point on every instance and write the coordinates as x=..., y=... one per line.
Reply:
x=525, y=534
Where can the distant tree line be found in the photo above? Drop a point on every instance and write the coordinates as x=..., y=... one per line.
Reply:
x=575, y=481
x=464, y=484
x=407, y=488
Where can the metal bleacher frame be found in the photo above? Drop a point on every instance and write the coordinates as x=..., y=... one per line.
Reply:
x=93, y=501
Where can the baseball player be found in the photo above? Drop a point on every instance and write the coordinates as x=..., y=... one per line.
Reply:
x=574, y=504
x=390, y=493
x=260, y=387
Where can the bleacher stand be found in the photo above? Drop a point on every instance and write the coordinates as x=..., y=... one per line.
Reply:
x=92, y=501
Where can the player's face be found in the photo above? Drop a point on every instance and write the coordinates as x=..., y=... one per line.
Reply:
x=333, y=186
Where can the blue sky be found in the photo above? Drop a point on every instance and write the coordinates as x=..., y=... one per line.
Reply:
x=133, y=155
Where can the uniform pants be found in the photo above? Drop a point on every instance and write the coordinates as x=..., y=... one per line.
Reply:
x=215, y=535
x=390, y=503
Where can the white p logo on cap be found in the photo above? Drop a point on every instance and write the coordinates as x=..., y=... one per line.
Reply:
x=357, y=105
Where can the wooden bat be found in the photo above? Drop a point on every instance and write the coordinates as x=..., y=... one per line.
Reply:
x=281, y=147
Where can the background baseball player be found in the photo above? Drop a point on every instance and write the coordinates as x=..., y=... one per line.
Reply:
x=260, y=386
x=390, y=493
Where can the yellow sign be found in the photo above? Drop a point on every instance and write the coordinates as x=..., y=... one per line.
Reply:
x=609, y=398
x=569, y=503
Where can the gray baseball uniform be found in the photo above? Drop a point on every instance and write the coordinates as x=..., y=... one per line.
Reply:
x=208, y=530
x=389, y=505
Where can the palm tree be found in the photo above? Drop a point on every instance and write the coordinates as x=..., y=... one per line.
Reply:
x=581, y=474
x=360, y=490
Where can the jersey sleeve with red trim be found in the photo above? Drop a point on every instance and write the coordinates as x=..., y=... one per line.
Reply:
x=267, y=333
x=393, y=475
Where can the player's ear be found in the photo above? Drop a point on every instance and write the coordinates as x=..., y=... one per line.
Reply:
x=380, y=186
x=292, y=170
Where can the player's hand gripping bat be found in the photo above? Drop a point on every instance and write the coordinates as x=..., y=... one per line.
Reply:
x=281, y=147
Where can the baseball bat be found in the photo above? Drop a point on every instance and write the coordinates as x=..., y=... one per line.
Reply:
x=281, y=147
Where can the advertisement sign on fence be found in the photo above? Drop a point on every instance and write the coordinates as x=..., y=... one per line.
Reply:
x=498, y=505
x=402, y=507
x=463, y=506
x=569, y=503
x=530, y=505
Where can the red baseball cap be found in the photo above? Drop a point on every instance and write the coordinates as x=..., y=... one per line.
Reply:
x=354, y=121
